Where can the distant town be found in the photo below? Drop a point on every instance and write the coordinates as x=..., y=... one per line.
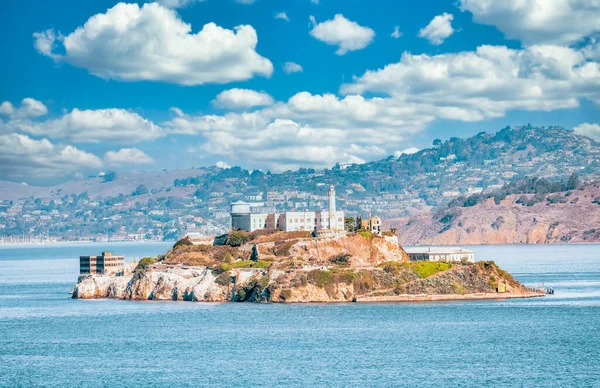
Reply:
x=166, y=205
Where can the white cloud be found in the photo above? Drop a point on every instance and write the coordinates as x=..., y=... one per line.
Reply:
x=282, y=15
x=222, y=164
x=127, y=156
x=28, y=108
x=589, y=130
x=538, y=21
x=292, y=67
x=45, y=42
x=407, y=151
x=242, y=98
x=90, y=126
x=486, y=83
x=129, y=43
x=341, y=32
x=396, y=33
x=245, y=1
x=438, y=29
x=307, y=130
x=6, y=108
x=22, y=157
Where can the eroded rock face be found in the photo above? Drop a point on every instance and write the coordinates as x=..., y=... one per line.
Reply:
x=362, y=251
x=168, y=284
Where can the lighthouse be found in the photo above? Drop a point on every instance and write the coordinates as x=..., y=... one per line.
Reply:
x=332, y=212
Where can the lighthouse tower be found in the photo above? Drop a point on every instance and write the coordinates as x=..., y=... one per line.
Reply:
x=332, y=212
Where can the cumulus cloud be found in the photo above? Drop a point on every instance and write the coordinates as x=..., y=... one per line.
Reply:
x=22, y=157
x=29, y=108
x=396, y=33
x=438, y=29
x=151, y=43
x=472, y=86
x=320, y=130
x=90, y=126
x=292, y=67
x=242, y=98
x=315, y=130
x=341, y=32
x=127, y=156
x=538, y=22
x=282, y=16
x=589, y=130
x=222, y=164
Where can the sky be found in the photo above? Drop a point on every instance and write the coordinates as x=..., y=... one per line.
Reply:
x=94, y=86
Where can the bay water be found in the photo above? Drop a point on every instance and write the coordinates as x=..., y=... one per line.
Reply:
x=49, y=339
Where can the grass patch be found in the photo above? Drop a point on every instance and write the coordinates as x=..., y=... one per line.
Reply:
x=321, y=278
x=425, y=269
x=365, y=233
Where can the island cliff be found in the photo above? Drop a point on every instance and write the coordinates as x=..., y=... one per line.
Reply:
x=293, y=267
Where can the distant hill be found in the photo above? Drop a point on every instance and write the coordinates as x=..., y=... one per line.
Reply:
x=571, y=216
x=169, y=204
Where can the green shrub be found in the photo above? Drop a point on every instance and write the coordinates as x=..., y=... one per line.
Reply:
x=365, y=233
x=142, y=266
x=183, y=242
x=223, y=279
x=236, y=238
x=342, y=259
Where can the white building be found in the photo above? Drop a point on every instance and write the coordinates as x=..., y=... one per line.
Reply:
x=254, y=216
x=449, y=254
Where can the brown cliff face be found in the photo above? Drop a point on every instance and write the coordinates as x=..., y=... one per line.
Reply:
x=573, y=218
x=298, y=270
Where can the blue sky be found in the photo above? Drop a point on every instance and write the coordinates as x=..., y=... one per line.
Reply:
x=95, y=86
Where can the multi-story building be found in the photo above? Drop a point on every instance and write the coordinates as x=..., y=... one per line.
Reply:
x=104, y=264
x=372, y=224
x=252, y=216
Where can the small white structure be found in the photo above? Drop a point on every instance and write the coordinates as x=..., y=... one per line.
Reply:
x=254, y=216
x=449, y=254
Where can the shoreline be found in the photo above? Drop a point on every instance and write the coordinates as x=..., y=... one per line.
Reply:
x=445, y=297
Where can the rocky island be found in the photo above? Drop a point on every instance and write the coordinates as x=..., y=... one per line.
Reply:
x=295, y=267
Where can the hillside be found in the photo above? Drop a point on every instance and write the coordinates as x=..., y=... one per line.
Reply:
x=169, y=204
x=571, y=216
x=296, y=268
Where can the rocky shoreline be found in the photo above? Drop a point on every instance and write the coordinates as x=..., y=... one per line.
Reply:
x=294, y=268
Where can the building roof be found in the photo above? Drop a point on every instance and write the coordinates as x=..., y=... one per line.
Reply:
x=438, y=250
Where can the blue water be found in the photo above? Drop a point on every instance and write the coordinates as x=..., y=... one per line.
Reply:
x=48, y=339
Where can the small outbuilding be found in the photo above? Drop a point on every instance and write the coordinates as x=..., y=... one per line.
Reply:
x=448, y=254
